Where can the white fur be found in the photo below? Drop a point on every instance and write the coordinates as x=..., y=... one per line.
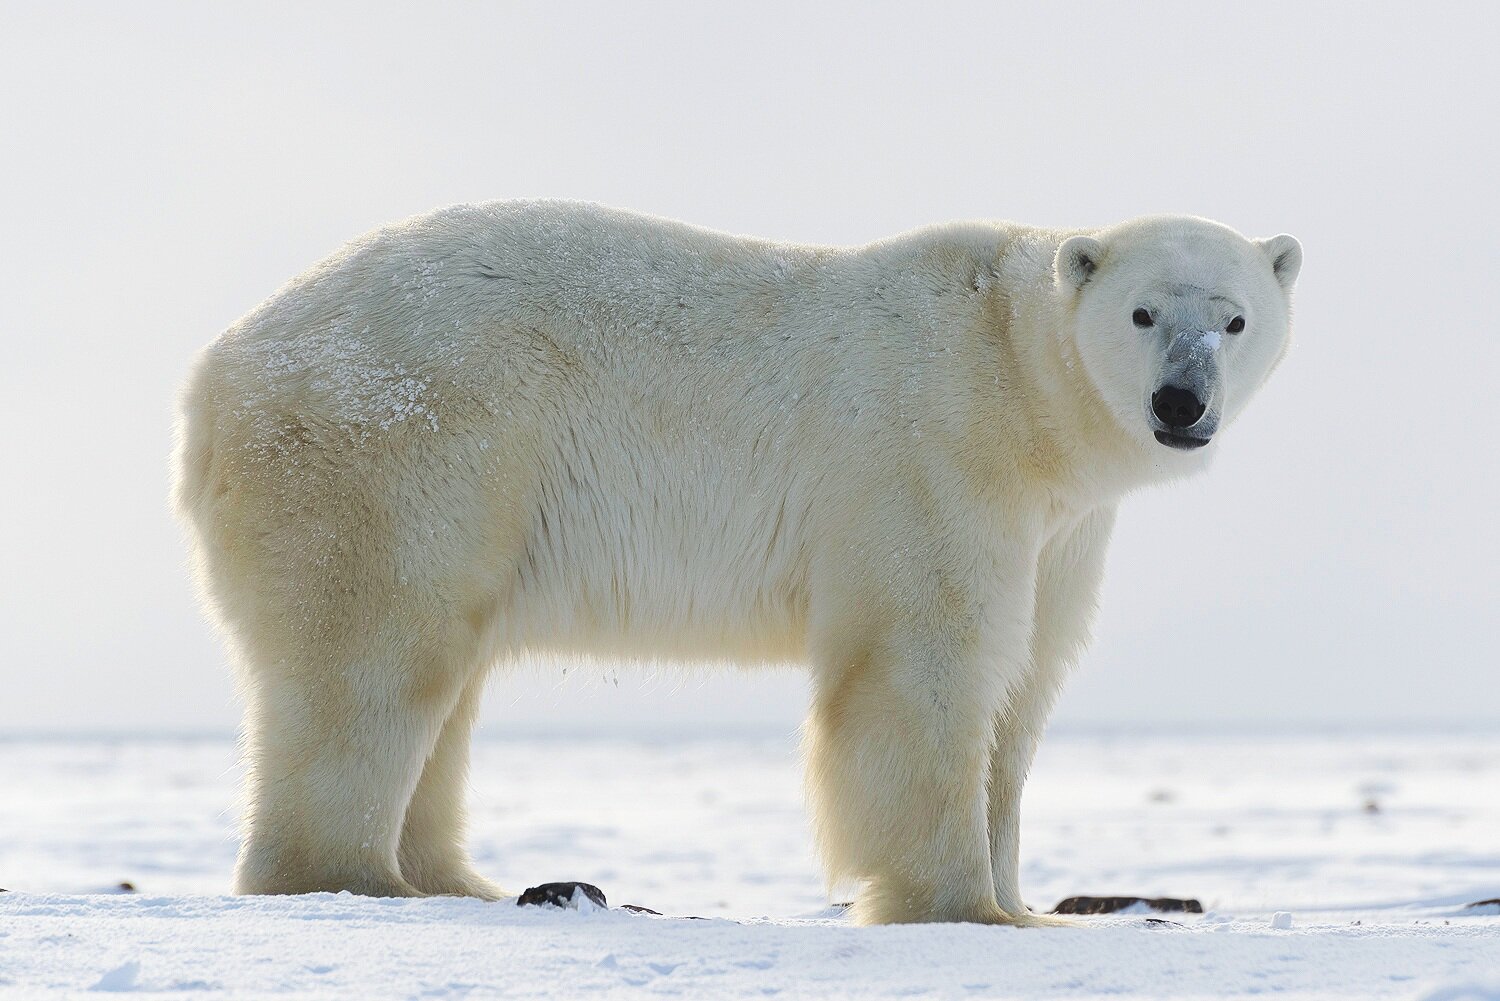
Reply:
x=555, y=428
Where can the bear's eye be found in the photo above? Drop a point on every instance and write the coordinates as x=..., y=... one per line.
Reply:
x=1236, y=325
x=1142, y=318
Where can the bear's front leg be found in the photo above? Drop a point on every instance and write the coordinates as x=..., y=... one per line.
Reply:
x=899, y=743
x=1069, y=571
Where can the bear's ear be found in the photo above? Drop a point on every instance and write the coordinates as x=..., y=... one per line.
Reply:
x=1285, y=255
x=1076, y=261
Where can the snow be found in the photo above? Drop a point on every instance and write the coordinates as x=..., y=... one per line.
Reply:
x=121, y=978
x=1328, y=866
x=1201, y=343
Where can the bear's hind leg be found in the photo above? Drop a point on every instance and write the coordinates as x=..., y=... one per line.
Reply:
x=337, y=741
x=433, y=854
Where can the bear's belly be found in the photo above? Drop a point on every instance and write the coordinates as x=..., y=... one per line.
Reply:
x=664, y=575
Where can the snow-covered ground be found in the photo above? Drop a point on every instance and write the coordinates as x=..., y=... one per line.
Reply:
x=1372, y=844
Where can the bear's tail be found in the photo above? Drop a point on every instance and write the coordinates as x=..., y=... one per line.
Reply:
x=197, y=430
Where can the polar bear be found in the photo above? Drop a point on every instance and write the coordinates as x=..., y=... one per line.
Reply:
x=555, y=428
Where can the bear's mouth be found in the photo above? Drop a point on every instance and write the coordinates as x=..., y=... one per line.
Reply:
x=1172, y=439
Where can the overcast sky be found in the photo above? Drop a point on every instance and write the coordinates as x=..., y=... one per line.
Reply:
x=165, y=167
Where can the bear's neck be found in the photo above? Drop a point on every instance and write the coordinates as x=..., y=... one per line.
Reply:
x=1070, y=440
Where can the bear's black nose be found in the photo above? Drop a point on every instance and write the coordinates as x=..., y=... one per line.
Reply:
x=1176, y=407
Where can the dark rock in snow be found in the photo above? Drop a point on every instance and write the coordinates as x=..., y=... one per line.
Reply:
x=126, y=886
x=560, y=894
x=638, y=909
x=1492, y=902
x=1109, y=905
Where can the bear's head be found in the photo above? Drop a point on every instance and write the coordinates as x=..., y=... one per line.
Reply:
x=1177, y=321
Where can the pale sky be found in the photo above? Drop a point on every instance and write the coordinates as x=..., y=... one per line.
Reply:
x=166, y=166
